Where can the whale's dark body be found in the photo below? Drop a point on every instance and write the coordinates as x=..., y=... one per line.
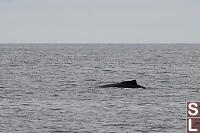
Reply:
x=124, y=84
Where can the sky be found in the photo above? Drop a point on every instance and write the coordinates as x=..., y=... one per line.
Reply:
x=99, y=21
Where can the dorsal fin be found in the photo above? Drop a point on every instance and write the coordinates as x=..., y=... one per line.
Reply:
x=134, y=82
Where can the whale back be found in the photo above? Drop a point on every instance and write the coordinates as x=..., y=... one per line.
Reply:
x=124, y=84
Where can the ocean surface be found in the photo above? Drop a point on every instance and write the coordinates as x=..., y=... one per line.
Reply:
x=54, y=88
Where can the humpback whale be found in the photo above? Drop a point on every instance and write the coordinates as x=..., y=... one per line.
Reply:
x=124, y=84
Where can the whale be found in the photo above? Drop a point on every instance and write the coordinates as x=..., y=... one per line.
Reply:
x=124, y=84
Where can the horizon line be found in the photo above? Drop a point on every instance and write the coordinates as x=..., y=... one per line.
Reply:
x=95, y=43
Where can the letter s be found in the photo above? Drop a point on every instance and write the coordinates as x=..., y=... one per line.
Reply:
x=193, y=108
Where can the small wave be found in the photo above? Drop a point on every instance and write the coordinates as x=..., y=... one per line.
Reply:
x=119, y=125
x=90, y=80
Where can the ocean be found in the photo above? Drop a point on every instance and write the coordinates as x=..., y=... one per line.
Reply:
x=54, y=88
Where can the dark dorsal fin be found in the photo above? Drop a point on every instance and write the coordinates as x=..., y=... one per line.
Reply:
x=134, y=82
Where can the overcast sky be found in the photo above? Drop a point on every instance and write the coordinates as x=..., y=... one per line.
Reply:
x=100, y=21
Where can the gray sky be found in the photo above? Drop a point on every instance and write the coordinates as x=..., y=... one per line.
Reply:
x=100, y=21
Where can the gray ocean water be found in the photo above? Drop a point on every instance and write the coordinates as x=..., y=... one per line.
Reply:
x=53, y=88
